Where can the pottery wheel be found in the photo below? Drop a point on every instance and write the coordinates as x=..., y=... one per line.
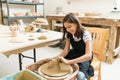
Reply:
x=55, y=68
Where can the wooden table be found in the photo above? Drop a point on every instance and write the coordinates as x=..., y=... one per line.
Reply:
x=8, y=48
x=112, y=24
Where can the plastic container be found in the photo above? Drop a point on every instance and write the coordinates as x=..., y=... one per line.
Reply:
x=22, y=75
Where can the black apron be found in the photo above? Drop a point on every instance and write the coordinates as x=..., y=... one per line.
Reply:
x=77, y=51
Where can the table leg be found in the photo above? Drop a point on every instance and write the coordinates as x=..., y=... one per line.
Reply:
x=112, y=43
x=34, y=54
x=20, y=61
x=20, y=55
x=50, y=24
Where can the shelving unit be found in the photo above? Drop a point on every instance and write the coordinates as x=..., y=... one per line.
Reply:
x=11, y=2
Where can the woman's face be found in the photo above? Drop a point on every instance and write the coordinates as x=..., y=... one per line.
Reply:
x=70, y=27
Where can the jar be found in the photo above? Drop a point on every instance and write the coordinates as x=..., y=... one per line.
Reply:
x=14, y=31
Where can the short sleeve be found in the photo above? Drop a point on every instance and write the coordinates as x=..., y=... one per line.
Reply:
x=87, y=36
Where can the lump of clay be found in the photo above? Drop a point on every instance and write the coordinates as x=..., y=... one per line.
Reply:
x=55, y=68
x=42, y=37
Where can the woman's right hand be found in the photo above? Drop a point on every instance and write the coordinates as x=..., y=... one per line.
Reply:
x=62, y=59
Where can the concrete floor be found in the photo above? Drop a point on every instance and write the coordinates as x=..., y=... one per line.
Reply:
x=10, y=65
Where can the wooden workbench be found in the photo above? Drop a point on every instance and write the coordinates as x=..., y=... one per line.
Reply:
x=16, y=45
x=112, y=24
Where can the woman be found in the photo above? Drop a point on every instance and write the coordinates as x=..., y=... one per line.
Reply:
x=80, y=40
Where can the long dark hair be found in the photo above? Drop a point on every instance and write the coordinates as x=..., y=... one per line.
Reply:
x=71, y=18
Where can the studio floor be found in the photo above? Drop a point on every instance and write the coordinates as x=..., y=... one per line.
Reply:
x=11, y=65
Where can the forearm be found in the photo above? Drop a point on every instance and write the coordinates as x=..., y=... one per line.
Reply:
x=63, y=53
x=66, y=48
x=83, y=58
